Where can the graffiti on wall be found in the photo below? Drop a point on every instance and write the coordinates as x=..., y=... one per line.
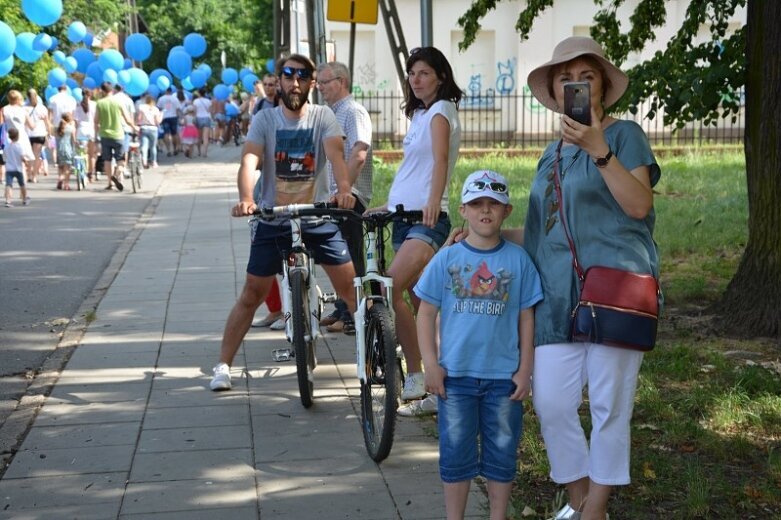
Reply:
x=505, y=77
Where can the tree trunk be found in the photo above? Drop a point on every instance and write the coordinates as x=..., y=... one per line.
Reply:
x=751, y=305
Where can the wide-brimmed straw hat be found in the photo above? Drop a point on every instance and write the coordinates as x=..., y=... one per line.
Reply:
x=573, y=47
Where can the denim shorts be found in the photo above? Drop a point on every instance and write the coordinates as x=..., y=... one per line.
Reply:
x=269, y=242
x=170, y=125
x=10, y=176
x=479, y=407
x=434, y=237
x=203, y=122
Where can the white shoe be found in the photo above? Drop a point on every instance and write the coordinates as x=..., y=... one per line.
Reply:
x=222, y=378
x=278, y=325
x=426, y=406
x=567, y=513
x=414, y=387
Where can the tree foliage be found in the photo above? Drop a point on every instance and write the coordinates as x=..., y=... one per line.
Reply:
x=691, y=80
x=241, y=28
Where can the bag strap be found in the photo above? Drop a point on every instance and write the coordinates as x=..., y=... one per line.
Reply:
x=557, y=186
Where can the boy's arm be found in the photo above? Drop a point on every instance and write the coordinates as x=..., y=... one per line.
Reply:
x=522, y=378
x=434, y=373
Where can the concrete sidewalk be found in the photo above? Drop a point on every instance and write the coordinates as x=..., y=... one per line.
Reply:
x=131, y=429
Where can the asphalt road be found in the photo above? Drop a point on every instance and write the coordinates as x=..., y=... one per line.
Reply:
x=52, y=253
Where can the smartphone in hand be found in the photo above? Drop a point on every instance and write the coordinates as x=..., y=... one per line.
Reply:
x=577, y=101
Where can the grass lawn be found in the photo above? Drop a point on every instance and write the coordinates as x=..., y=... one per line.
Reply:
x=706, y=436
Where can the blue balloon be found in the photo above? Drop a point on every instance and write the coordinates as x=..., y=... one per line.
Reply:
x=87, y=40
x=231, y=110
x=42, y=42
x=77, y=94
x=221, y=92
x=70, y=64
x=49, y=92
x=271, y=66
x=128, y=63
x=95, y=72
x=248, y=82
x=71, y=83
x=244, y=71
x=111, y=59
x=59, y=57
x=7, y=41
x=139, y=82
x=55, y=43
x=77, y=31
x=195, y=44
x=198, y=78
x=6, y=65
x=57, y=77
x=123, y=78
x=162, y=82
x=229, y=76
x=42, y=12
x=179, y=63
x=177, y=48
x=160, y=72
x=153, y=90
x=24, y=48
x=90, y=83
x=110, y=76
x=138, y=46
x=205, y=68
x=84, y=57
x=187, y=84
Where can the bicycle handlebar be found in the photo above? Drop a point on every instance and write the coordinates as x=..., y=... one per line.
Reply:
x=330, y=209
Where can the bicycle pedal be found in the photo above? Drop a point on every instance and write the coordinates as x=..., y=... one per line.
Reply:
x=329, y=297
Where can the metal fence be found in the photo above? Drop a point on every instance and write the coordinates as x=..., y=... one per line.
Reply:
x=519, y=121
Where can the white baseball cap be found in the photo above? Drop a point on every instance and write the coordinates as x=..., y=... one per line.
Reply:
x=485, y=183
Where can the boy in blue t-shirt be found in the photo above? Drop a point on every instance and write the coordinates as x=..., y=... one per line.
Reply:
x=485, y=290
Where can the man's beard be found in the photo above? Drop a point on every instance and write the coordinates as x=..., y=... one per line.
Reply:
x=294, y=101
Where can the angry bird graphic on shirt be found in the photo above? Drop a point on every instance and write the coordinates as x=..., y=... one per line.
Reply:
x=483, y=281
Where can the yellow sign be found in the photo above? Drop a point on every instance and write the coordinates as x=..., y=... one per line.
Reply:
x=353, y=11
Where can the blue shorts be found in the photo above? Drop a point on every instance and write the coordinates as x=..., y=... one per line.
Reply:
x=434, y=237
x=269, y=243
x=10, y=176
x=112, y=148
x=170, y=125
x=479, y=407
x=203, y=122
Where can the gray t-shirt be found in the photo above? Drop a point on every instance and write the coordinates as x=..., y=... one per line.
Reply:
x=294, y=161
x=602, y=232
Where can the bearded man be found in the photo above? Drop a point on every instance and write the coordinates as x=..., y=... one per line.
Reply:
x=290, y=144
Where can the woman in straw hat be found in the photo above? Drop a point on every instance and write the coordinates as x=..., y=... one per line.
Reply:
x=606, y=172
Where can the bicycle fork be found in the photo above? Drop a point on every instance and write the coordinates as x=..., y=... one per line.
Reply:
x=362, y=301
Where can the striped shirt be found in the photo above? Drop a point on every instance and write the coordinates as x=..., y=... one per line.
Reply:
x=357, y=126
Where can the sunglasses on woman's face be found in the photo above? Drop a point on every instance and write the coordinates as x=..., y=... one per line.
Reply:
x=478, y=186
x=302, y=73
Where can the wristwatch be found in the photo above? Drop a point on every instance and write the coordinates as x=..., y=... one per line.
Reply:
x=601, y=162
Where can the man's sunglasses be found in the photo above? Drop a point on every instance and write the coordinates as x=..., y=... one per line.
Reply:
x=302, y=73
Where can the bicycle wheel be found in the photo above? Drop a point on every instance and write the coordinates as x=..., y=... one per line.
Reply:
x=302, y=337
x=139, y=171
x=132, y=167
x=379, y=394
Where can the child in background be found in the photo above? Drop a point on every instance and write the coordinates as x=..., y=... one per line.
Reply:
x=66, y=143
x=189, y=131
x=15, y=163
x=477, y=285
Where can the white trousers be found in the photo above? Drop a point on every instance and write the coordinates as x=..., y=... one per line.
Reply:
x=561, y=372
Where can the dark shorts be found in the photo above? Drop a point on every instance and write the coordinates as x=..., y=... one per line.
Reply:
x=38, y=140
x=434, y=237
x=2, y=157
x=170, y=125
x=269, y=242
x=10, y=176
x=112, y=148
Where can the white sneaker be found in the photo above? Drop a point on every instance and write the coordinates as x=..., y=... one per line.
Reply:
x=414, y=387
x=567, y=513
x=26, y=201
x=426, y=406
x=222, y=377
x=278, y=325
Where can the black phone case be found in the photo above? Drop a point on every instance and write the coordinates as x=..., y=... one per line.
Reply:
x=577, y=101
